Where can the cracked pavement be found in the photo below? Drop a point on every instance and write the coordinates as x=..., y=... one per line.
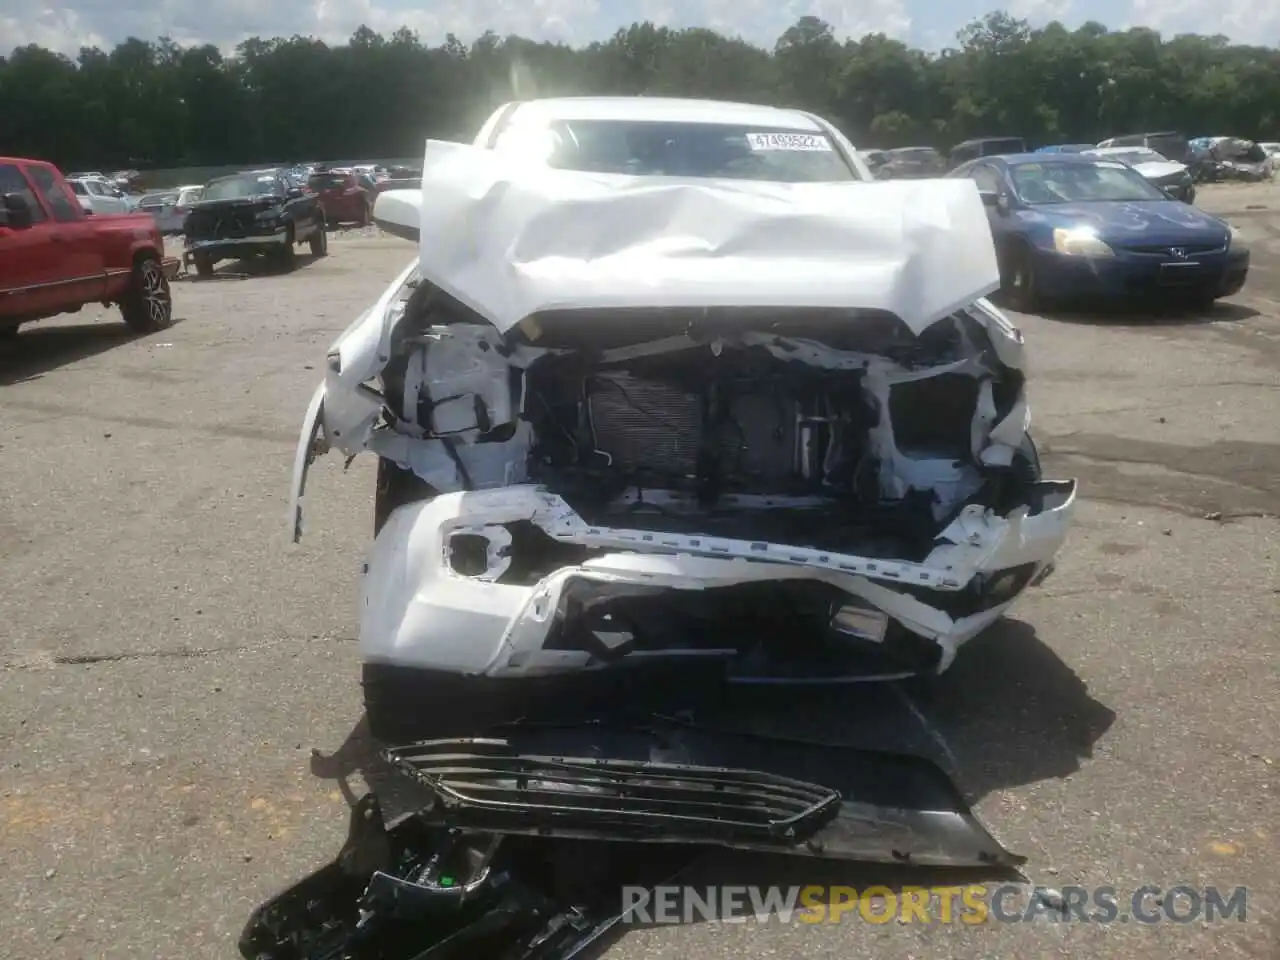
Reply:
x=168, y=660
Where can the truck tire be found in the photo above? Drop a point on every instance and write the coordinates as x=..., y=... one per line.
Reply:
x=320, y=242
x=147, y=305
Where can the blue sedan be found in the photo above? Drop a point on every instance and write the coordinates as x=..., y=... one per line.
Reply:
x=1067, y=225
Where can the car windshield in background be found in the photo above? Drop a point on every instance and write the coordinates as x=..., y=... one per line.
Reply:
x=1171, y=146
x=328, y=181
x=243, y=186
x=1106, y=180
x=78, y=188
x=158, y=199
x=1139, y=155
x=666, y=149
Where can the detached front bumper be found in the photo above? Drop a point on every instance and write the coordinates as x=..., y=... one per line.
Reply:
x=667, y=782
x=530, y=843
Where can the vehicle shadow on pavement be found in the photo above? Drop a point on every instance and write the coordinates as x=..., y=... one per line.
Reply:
x=253, y=267
x=38, y=350
x=1149, y=315
x=1009, y=712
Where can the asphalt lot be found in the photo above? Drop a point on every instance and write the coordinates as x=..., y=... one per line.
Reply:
x=168, y=660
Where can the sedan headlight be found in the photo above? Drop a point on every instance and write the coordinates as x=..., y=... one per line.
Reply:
x=1235, y=239
x=1080, y=242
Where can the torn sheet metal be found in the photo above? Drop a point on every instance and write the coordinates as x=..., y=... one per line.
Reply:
x=511, y=240
x=417, y=613
x=346, y=410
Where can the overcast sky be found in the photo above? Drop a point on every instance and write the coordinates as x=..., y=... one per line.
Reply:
x=69, y=24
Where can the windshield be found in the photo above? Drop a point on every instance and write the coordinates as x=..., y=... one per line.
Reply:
x=78, y=188
x=190, y=195
x=644, y=148
x=1106, y=180
x=242, y=186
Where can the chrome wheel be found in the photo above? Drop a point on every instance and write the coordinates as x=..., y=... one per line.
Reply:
x=156, y=296
x=148, y=305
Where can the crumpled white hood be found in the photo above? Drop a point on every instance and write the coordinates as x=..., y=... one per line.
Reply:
x=511, y=240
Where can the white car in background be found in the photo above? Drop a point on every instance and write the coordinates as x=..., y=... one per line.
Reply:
x=1169, y=175
x=375, y=172
x=169, y=208
x=98, y=197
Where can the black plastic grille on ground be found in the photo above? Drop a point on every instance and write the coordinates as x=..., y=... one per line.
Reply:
x=485, y=777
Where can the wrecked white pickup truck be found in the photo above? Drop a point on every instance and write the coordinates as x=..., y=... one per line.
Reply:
x=756, y=431
x=644, y=437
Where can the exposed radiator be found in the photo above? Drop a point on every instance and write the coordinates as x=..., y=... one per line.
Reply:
x=645, y=423
x=652, y=425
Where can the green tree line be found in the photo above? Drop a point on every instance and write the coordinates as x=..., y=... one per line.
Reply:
x=158, y=104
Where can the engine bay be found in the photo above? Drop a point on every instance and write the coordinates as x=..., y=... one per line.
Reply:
x=735, y=444
x=869, y=438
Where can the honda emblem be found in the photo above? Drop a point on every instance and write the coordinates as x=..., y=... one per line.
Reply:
x=1178, y=253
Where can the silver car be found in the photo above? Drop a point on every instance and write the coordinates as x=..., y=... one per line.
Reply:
x=169, y=208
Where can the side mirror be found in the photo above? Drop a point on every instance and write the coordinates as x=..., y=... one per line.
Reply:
x=293, y=193
x=996, y=201
x=17, y=212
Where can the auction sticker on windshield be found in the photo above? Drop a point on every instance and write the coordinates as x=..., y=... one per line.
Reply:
x=788, y=141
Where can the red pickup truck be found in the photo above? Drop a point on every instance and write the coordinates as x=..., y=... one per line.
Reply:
x=55, y=258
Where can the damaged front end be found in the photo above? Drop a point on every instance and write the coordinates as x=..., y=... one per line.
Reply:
x=639, y=442
x=532, y=841
x=760, y=434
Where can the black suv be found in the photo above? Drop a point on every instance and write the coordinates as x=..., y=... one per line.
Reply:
x=962, y=153
x=258, y=212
